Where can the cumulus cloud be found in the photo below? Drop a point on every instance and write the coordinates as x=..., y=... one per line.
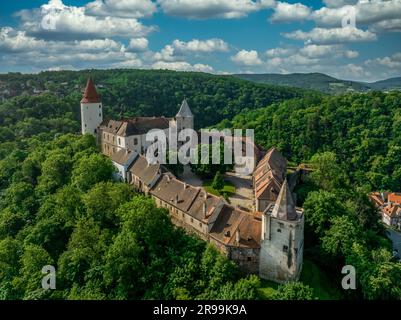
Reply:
x=121, y=8
x=138, y=44
x=210, y=45
x=182, y=66
x=179, y=49
x=247, y=58
x=69, y=22
x=391, y=62
x=206, y=9
x=287, y=12
x=393, y=25
x=20, y=49
x=338, y=3
x=366, y=12
x=332, y=35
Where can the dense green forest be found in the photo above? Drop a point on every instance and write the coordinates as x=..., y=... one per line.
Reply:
x=147, y=93
x=59, y=206
x=363, y=130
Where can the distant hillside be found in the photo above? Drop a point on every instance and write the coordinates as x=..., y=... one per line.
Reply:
x=388, y=84
x=320, y=82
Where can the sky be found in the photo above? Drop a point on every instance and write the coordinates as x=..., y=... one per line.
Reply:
x=348, y=39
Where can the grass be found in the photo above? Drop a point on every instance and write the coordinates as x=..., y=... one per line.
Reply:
x=321, y=284
x=228, y=189
x=312, y=276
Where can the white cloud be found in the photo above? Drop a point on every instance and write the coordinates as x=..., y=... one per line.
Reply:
x=391, y=62
x=210, y=45
x=182, y=66
x=366, y=12
x=247, y=58
x=332, y=36
x=287, y=12
x=20, y=49
x=69, y=22
x=279, y=52
x=393, y=25
x=121, y=8
x=338, y=3
x=138, y=44
x=179, y=49
x=206, y=9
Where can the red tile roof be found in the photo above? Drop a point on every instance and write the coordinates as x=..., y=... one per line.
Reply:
x=90, y=93
x=394, y=197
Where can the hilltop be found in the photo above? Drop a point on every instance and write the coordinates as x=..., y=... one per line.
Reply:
x=321, y=82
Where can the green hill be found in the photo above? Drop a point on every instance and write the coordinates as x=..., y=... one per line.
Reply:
x=321, y=82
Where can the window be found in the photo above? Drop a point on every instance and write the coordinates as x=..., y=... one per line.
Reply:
x=183, y=215
x=119, y=141
x=285, y=248
x=200, y=224
x=279, y=230
x=100, y=106
x=100, y=114
x=135, y=141
x=95, y=130
x=192, y=220
x=249, y=259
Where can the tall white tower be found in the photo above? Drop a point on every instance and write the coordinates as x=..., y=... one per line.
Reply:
x=184, y=118
x=282, y=245
x=91, y=109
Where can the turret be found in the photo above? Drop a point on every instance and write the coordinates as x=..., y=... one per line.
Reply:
x=281, y=252
x=184, y=118
x=91, y=109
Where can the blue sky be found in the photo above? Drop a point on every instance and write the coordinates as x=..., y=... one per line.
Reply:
x=216, y=36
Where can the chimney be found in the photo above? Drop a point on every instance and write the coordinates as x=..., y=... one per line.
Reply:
x=237, y=235
x=176, y=198
x=168, y=177
x=185, y=185
x=204, y=209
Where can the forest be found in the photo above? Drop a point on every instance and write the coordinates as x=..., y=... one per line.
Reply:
x=363, y=130
x=59, y=205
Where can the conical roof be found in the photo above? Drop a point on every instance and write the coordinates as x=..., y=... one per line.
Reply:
x=185, y=111
x=90, y=93
x=284, y=208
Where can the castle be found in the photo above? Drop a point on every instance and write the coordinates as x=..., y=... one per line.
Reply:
x=267, y=241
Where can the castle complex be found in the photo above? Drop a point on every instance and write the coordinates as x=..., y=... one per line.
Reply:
x=267, y=241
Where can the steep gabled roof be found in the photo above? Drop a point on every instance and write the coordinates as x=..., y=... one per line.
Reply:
x=184, y=111
x=284, y=208
x=232, y=220
x=143, y=170
x=90, y=94
x=270, y=170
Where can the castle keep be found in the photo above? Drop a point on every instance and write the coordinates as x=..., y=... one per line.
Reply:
x=267, y=241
